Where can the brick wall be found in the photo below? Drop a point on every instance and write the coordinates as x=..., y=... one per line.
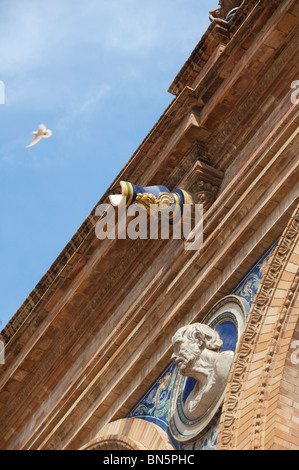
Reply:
x=286, y=436
x=260, y=410
x=134, y=434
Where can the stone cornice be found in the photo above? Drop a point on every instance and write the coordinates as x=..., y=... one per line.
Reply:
x=102, y=317
x=58, y=352
x=206, y=265
x=218, y=34
x=135, y=168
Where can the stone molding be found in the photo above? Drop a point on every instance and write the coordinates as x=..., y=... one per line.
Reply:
x=218, y=34
x=243, y=221
x=231, y=409
x=130, y=434
x=203, y=180
x=262, y=397
x=46, y=288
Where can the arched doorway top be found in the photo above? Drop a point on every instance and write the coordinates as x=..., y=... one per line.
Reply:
x=130, y=434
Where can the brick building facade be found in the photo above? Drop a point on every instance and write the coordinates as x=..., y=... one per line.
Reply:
x=88, y=356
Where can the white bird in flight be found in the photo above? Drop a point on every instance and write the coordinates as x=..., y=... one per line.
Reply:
x=38, y=135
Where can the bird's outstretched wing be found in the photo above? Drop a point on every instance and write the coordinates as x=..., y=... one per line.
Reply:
x=42, y=127
x=42, y=132
x=47, y=133
x=34, y=141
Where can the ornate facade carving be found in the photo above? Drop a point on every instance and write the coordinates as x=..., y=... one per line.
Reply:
x=259, y=90
x=197, y=355
x=225, y=7
x=203, y=180
x=258, y=312
x=92, y=342
x=262, y=395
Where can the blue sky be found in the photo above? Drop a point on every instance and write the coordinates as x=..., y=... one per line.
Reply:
x=96, y=72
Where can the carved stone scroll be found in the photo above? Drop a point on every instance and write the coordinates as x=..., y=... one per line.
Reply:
x=203, y=182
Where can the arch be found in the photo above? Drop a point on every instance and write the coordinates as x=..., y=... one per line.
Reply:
x=282, y=424
x=249, y=416
x=130, y=434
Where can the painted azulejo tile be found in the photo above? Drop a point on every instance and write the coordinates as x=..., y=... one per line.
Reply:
x=157, y=404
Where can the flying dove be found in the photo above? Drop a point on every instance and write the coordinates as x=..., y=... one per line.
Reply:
x=42, y=132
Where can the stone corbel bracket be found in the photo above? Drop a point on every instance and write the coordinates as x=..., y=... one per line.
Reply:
x=203, y=181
